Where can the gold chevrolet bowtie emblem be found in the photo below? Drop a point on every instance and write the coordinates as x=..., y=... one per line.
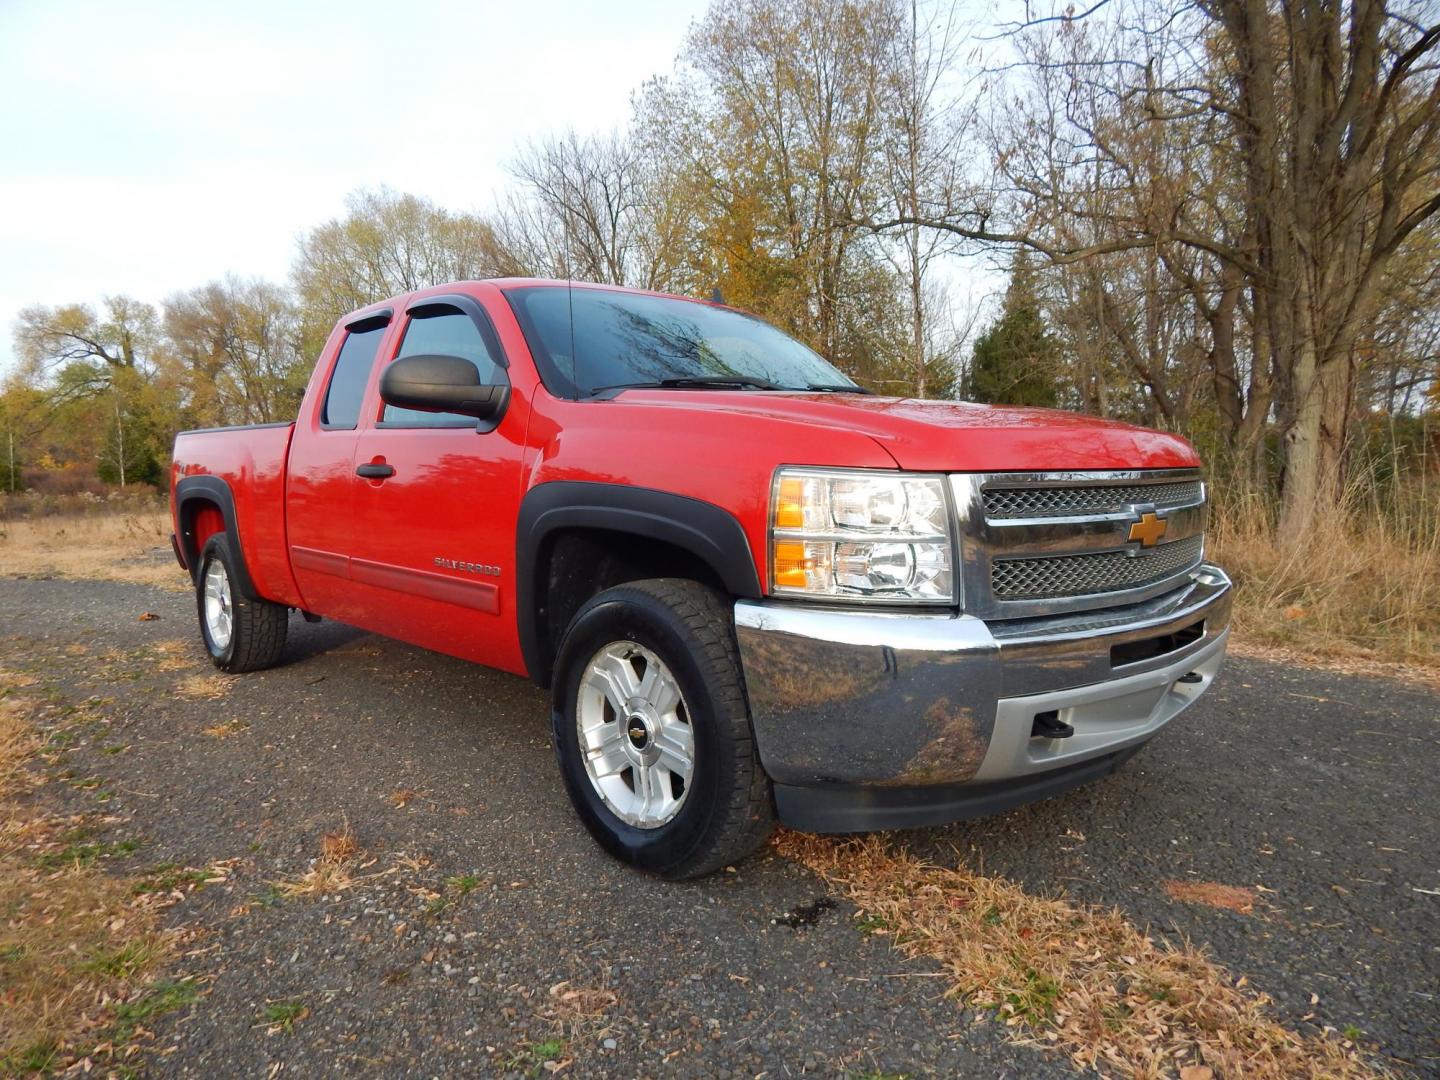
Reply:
x=1149, y=530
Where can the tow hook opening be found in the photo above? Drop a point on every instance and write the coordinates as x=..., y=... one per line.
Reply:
x=1048, y=725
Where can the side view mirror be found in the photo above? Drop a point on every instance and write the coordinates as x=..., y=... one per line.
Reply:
x=442, y=384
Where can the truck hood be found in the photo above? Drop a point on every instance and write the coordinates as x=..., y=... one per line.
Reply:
x=941, y=436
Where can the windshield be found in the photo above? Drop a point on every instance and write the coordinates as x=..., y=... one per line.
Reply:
x=625, y=338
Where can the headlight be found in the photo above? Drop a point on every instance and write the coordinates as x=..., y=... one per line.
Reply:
x=861, y=535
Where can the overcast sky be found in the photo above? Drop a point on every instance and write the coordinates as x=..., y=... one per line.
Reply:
x=147, y=147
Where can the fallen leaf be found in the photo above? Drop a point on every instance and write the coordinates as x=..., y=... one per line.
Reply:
x=1197, y=1072
x=149, y=616
x=1212, y=894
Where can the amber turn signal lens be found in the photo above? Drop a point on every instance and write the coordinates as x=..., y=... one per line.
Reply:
x=790, y=505
x=791, y=565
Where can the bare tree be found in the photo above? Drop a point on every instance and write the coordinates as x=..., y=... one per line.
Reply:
x=585, y=198
x=389, y=243
x=235, y=346
x=1333, y=113
x=120, y=336
x=922, y=140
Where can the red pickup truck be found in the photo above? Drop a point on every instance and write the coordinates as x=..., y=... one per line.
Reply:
x=757, y=592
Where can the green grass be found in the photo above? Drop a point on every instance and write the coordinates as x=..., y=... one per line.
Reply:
x=271, y=897
x=532, y=1058
x=1035, y=1001
x=62, y=739
x=122, y=962
x=284, y=1015
x=36, y=1058
x=872, y=924
x=1353, y=1033
x=86, y=853
x=155, y=1000
x=463, y=883
x=168, y=876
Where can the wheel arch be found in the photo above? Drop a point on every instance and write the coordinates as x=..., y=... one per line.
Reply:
x=668, y=534
x=194, y=495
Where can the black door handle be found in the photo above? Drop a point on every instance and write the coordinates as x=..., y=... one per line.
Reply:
x=375, y=470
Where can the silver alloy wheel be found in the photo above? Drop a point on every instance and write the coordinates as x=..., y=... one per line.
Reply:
x=635, y=734
x=219, y=613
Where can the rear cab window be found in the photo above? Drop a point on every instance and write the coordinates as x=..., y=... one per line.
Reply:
x=346, y=391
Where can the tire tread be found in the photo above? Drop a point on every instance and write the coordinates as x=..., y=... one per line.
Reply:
x=747, y=816
x=750, y=817
x=260, y=627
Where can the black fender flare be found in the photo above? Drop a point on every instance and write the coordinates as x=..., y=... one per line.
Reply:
x=189, y=492
x=707, y=531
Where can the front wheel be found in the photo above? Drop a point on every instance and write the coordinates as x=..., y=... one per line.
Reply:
x=240, y=634
x=652, y=731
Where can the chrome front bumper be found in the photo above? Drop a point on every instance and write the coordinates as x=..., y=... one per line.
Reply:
x=877, y=720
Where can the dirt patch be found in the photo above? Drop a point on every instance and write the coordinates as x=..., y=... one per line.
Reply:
x=1237, y=898
x=1079, y=980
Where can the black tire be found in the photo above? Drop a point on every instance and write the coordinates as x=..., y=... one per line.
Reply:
x=258, y=627
x=729, y=810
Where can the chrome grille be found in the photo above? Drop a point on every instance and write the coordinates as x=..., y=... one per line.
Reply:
x=1080, y=575
x=1041, y=544
x=1035, y=502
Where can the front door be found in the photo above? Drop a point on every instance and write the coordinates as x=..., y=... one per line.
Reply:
x=436, y=501
x=320, y=472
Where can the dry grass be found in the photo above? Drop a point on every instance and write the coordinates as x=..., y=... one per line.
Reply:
x=1077, y=979
x=204, y=687
x=577, y=1008
x=17, y=740
x=117, y=547
x=226, y=729
x=332, y=872
x=174, y=655
x=1364, y=586
x=75, y=943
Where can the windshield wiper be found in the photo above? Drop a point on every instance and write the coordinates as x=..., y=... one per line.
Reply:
x=692, y=382
x=837, y=388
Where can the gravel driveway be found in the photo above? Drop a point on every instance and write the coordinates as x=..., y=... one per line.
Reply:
x=485, y=908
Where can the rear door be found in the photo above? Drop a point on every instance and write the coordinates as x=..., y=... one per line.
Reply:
x=433, y=527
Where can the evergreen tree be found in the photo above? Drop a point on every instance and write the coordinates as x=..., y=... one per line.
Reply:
x=1015, y=360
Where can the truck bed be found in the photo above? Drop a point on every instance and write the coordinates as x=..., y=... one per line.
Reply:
x=250, y=462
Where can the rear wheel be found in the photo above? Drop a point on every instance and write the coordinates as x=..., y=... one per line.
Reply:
x=652, y=731
x=240, y=634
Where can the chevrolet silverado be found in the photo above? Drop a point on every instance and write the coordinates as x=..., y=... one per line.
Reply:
x=756, y=592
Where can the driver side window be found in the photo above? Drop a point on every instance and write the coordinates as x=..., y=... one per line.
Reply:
x=445, y=333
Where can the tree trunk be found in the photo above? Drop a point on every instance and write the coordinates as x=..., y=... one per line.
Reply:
x=120, y=442
x=917, y=312
x=1315, y=442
